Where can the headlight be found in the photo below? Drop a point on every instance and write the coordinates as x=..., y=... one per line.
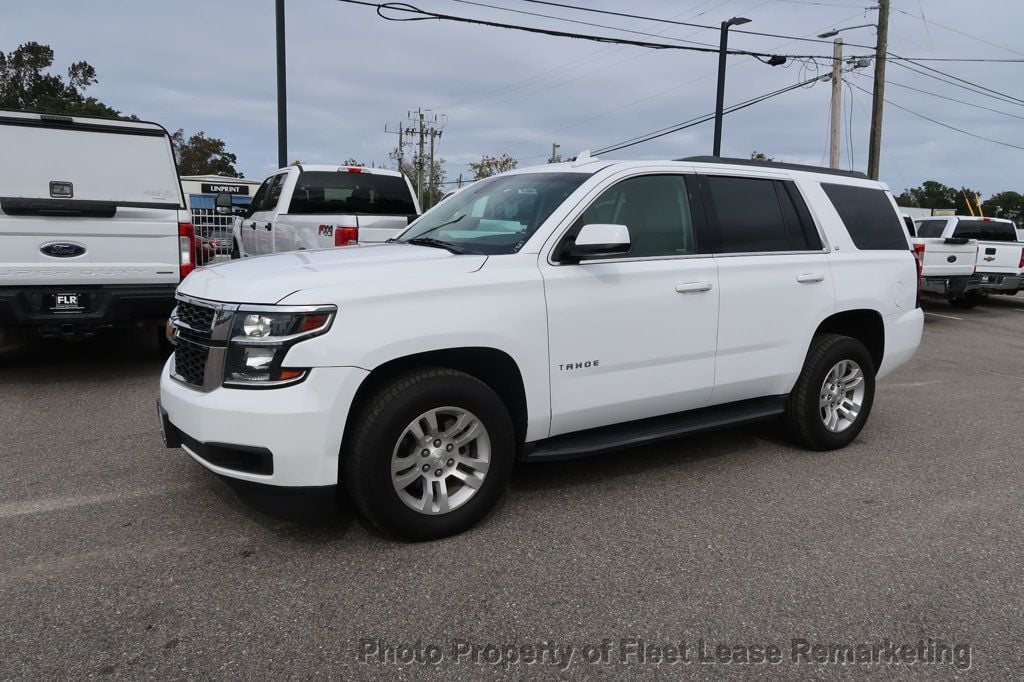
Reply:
x=261, y=338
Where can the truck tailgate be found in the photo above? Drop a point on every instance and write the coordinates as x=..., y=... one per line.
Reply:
x=136, y=246
x=999, y=257
x=942, y=258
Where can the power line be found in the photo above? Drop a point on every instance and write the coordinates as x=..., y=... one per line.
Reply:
x=945, y=125
x=423, y=15
x=950, y=79
x=662, y=132
x=952, y=99
x=929, y=22
x=684, y=23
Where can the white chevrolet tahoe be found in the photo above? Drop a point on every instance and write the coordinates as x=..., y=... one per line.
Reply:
x=545, y=313
x=93, y=227
x=313, y=207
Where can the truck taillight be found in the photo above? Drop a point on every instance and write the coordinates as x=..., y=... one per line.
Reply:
x=186, y=248
x=1021, y=263
x=919, y=260
x=343, y=236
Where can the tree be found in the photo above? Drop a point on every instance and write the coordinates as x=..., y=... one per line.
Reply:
x=350, y=161
x=202, y=155
x=26, y=83
x=433, y=183
x=492, y=165
x=933, y=194
x=760, y=156
x=1005, y=205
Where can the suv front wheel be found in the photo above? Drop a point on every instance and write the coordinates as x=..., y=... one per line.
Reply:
x=833, y=395
x=429, y=455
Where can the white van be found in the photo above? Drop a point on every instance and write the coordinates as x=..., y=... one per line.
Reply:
x=315, y=206
x=93, y=227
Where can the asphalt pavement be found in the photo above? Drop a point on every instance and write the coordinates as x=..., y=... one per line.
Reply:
x=729, y=554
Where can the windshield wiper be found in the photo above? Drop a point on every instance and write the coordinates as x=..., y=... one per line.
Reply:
x=436, y=243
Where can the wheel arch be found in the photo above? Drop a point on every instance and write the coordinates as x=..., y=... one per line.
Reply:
x=492, y=366
x=864, y=325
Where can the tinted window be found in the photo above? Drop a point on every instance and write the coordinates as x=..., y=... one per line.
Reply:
x=986, y=230
x=930, y=229
x=803, y=236
x=750, y=216
x=343, y=192
x=260, y=197
x=496, y=215
x=654, y=208
x=869, y=217
x=274, y=192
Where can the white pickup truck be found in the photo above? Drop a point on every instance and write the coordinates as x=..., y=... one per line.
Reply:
x=998, y=256
x=315, y=206
x=93, y=227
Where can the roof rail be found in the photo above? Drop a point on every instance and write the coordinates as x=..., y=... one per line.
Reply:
x=775, y=164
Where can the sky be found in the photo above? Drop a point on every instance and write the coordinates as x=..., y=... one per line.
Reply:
x=210, y=65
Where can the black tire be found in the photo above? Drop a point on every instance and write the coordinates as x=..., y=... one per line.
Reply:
x=163, y=344
x=968, y=300
x=235, y=253
x=365, y=466
x=803, y=414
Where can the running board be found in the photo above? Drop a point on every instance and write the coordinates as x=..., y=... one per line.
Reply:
x=643, y=431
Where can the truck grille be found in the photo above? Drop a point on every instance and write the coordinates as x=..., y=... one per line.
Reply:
x=198, y=317
x=190, y=361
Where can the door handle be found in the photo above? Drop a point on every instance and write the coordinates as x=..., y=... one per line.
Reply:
x=253, y=224
x=693, y=287
x=810, y=277
x=267, y=227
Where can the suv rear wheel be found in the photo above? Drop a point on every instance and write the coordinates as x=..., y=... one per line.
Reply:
x=833, y=395
x=430, y=454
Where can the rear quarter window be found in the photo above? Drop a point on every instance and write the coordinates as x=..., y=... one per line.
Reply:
x=869, y=217
x=931, y=229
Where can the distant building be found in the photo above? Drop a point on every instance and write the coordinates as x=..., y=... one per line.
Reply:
x=200, y=193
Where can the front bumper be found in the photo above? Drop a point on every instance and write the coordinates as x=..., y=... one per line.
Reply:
x=287, y=436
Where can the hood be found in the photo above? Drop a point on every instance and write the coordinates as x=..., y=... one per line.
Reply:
x=269, y=279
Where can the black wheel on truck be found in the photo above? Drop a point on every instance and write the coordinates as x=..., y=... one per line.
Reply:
x=429, y=454
x=833, y=395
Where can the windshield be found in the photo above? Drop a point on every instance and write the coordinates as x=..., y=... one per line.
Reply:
x=495, y=215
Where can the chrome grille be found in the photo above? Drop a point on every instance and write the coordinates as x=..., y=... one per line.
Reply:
x=196, y=318
x=190, y=361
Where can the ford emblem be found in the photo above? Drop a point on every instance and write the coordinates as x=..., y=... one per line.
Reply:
x=951, y=259
x=62, y=249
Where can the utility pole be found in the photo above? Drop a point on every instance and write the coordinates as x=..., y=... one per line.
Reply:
x=555, y=158
x=837, y=104
x=419, y=162
x=878, y=96
x=282, y=98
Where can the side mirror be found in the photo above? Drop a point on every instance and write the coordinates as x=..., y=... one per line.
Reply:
x=222, y=204
x=600, y=240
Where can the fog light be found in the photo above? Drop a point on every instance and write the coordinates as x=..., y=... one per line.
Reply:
x=257, y=325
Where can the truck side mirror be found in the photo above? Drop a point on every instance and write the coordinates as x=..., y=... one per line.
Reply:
x=222, y=204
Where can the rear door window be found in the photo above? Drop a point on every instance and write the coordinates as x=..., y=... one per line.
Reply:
x=869, y=217
x=754, y=215
x=323, y=192
x=986, y=230
x=931, y=229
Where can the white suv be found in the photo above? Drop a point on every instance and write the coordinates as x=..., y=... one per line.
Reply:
x=546, y=313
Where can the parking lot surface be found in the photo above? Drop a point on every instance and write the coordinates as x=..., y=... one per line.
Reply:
x=123, y=558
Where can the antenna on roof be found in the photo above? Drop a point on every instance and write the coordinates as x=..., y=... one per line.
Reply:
x=583, y=158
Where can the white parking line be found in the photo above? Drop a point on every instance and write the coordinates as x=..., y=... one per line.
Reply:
x=43, y=505
x=948, y=317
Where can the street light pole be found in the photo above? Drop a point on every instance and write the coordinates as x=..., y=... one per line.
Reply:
x=720, y=98
x=282, y=98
